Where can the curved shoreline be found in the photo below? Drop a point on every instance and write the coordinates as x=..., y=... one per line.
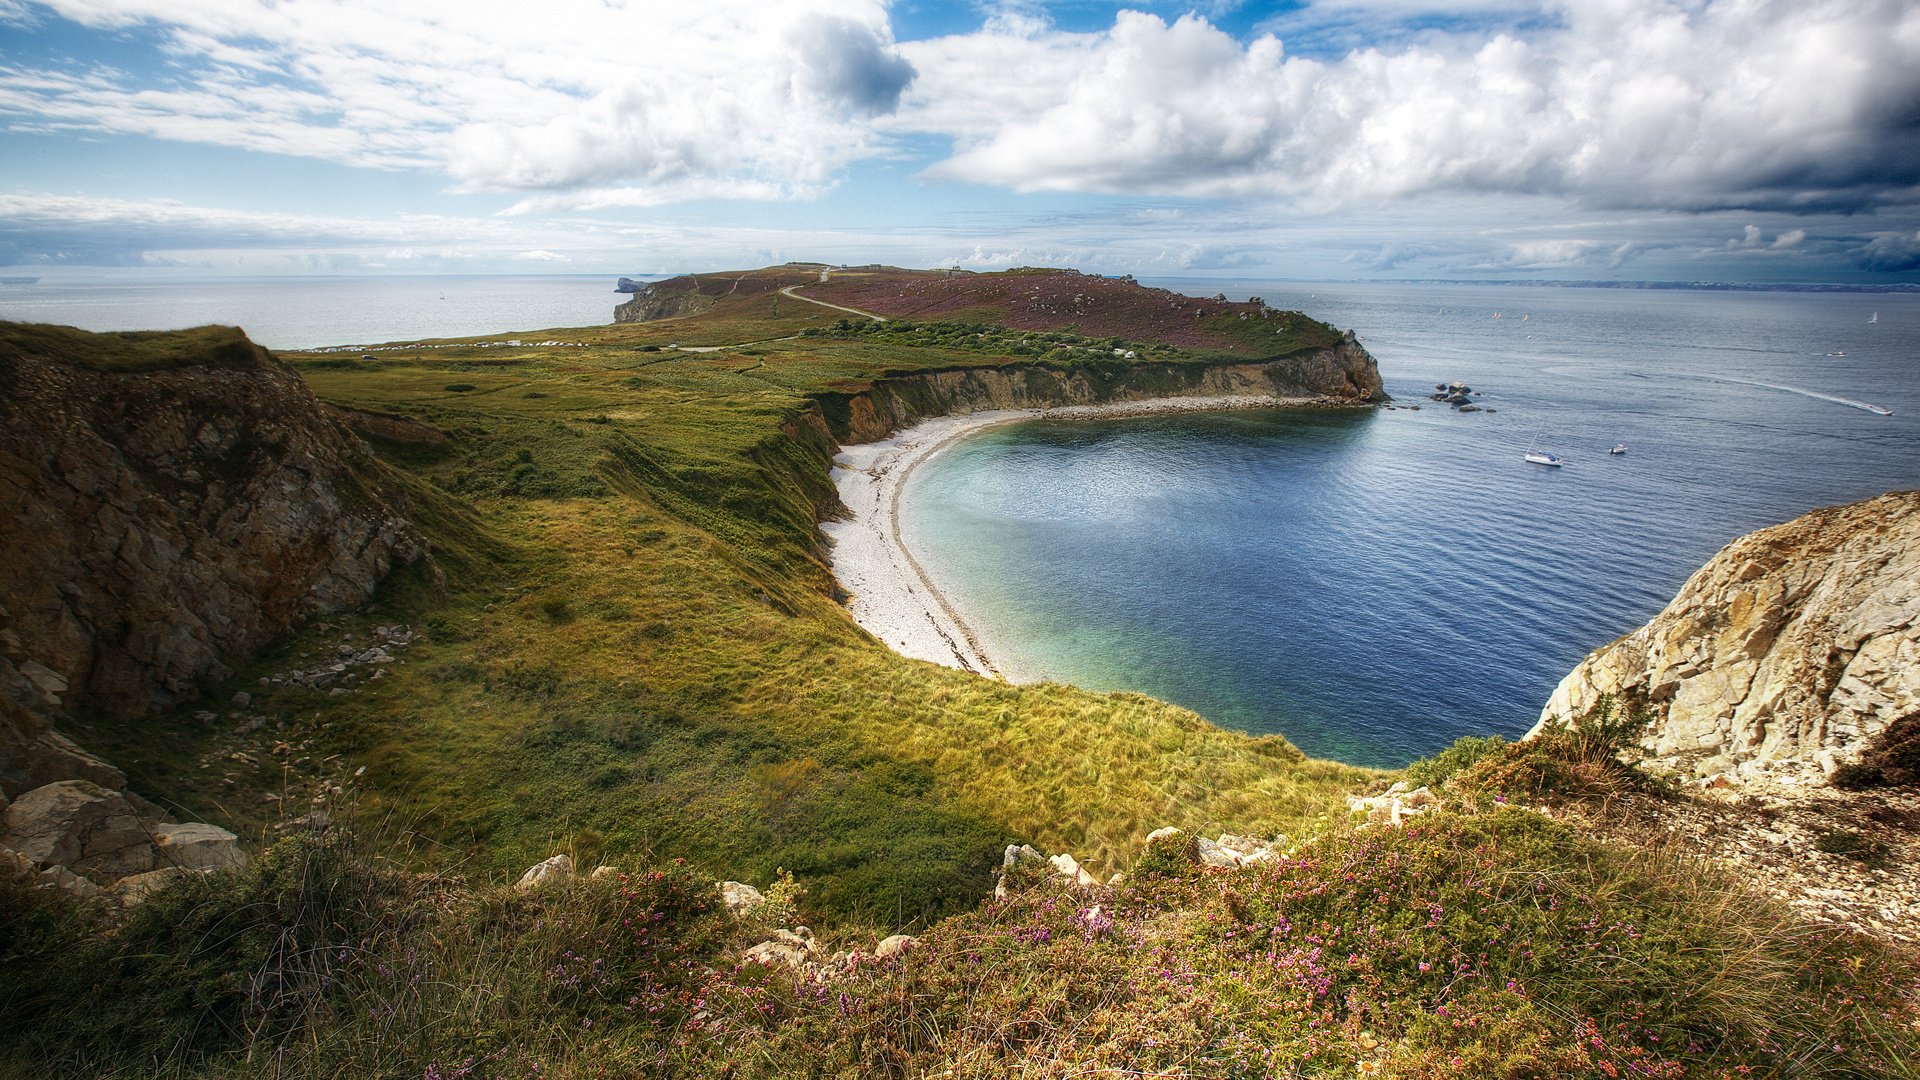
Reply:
x=892, y=596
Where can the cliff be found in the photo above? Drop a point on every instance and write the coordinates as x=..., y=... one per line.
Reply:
x=169, y=502
x=651, y=302
x=1344, y=372
x=1785, y=658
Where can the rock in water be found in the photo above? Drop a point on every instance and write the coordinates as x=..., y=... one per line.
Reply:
x=1783, y=658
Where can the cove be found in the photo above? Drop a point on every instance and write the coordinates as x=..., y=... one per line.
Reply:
x=1376, y=584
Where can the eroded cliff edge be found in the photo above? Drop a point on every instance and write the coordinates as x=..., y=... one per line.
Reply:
x=169, y=503
x=1785, y=658
x=1345, y=373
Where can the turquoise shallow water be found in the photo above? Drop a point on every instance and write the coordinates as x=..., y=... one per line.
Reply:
x=1374, y=585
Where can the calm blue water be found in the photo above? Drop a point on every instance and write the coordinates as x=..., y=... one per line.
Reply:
x=300, y=313
x=1375, y=585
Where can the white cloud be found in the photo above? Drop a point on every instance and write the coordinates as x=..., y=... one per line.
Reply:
x=611, y=102
x=1694, y=104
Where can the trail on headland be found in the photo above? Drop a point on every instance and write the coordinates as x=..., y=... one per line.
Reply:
x=789, y=291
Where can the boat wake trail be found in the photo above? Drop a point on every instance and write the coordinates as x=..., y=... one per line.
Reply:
x=1864, y=406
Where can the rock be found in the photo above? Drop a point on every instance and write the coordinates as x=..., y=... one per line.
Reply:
x=1396, y=807
x=66, y=881
x=893, y=946
x=791, y=947
x=199, y=847
x=133, y=891
x=242, y=700
x=78, y=825
x=161, y=522
x=1017, y=854
x=1783, y=658
x=1212, y=854
x=739, y=896
x=555, y=871
x=1068, y=869
x=1171, y=848
x=604, y=871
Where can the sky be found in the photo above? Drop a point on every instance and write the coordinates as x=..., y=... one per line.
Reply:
x=1693, y=140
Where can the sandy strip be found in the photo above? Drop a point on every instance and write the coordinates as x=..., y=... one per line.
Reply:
x=893, y=596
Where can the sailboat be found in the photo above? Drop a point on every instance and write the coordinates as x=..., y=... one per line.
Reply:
x=1875, y=318
x=1541, y=457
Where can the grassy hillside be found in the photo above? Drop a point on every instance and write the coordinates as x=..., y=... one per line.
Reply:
x=638, y=650
x=1481, y=941
x=635, y=656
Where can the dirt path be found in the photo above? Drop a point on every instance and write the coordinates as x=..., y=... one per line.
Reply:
x=788, y=291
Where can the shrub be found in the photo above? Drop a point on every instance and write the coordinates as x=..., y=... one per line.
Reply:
x=1465, y=752
x=459, y=387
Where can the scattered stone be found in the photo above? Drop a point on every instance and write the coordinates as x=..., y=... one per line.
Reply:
x=604, y=871
x=893, y=946
x=557, y=870
x=1396, y=807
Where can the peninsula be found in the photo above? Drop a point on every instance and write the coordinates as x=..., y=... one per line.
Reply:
x=497, y=706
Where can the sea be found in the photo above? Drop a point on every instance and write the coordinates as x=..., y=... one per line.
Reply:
x=1374, y=585
x=1371, y=585
x=315, y=312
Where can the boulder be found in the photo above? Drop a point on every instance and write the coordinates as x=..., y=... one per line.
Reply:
x=893, y=946
x=195, y=846
x=81, y=826
x=739, y=896
x=1017, y=854
x=555, y=871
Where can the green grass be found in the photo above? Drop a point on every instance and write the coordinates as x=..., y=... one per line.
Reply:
x=636, y=648
x=1497, y=944
x=130, y=351
x=632, y=652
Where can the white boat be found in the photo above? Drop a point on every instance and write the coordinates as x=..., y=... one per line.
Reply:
x=1618, y=448
x=1876, y=317
x=1541, y=457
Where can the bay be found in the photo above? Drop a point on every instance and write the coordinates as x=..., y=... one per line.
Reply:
x=1374, y=585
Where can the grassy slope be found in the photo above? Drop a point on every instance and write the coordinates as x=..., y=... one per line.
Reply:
x=636, y=656
x=639, y=651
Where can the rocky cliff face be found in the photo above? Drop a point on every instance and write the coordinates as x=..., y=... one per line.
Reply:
x=1345, y=372
x=650, y=303
x=1784, y=658
x=167, y=503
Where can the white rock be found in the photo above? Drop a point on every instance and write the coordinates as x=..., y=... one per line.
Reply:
x=557, y=870
x=739, y=896
x=1070, y=870
x=893, y=946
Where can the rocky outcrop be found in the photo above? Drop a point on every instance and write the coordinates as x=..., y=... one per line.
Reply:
x=78, y=837
x=1344, y=373
x=651, y=302
x=168, y=503
x=1781, y=660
